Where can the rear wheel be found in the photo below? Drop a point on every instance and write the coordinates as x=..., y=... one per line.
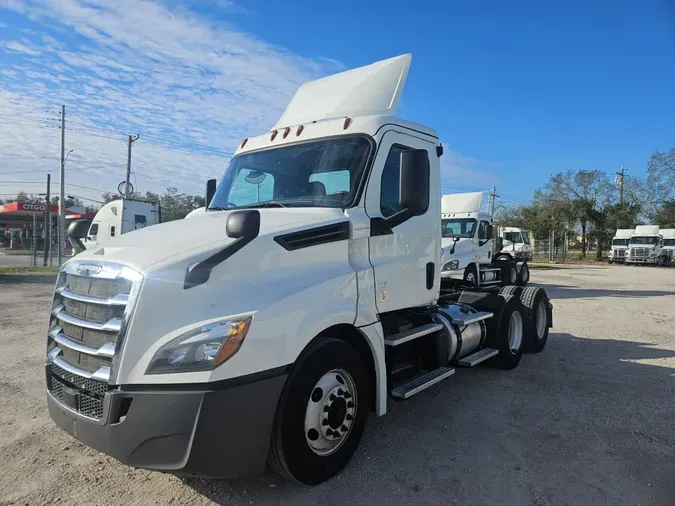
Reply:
x=509, y=274
x=321, y=414
x=524, y=275
x=535, y=308
x=510, y=332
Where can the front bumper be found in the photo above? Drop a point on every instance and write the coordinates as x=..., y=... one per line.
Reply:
x=641, y=260
x=219, y=431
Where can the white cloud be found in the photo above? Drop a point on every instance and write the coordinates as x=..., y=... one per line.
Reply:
x=136, y=66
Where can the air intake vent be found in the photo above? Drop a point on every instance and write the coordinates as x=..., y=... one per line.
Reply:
x=314, y=236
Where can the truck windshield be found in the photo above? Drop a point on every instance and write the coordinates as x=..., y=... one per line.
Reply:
x=514, y=237
x=644, y=240
x=324, y=173
x=463, y=227
x=669, y=242
x=620, y=242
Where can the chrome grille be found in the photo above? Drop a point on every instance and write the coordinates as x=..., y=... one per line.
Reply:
x=638, y=252
x=621, y=252
x=89, y=309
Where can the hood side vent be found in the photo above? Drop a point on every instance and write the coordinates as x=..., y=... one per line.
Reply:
x=314, y=236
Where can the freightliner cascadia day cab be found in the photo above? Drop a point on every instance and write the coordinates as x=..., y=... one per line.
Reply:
x=620, y=241
x=470, y=254
x=645, y=246
x=266, y=329
x=669, y=244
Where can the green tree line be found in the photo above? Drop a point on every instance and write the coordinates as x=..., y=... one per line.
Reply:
x=587, y=202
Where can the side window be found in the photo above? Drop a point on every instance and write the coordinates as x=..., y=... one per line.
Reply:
x=94, y=229
x=140, y=220
x=482, y=231
x=391, y=181
x=112, y=230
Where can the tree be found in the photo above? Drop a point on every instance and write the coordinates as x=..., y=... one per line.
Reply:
x=580, y=195
x=661, y=170
x=665, y=214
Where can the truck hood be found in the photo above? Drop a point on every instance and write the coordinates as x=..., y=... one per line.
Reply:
x=464, y=245
x=143, y=248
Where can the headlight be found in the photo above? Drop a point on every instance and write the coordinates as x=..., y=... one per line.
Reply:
x=201, y=349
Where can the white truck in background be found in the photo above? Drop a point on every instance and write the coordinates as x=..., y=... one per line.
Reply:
x=668, y=235
x=114, y=218
x=646, y=247
x=620, y=241
x=268, y=330
x=470, y=254
x=515, y=244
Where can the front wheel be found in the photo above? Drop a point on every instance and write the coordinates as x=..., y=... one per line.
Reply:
x=321, y=414
x=470, y=275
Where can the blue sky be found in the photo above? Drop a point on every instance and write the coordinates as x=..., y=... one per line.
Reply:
x=517, y=90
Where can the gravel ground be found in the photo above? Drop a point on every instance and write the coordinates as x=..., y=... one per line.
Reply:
x=587, y=421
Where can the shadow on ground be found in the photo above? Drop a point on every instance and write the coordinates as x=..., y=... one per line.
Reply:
x=575, y=292
x=15, y=279
x=579, y=423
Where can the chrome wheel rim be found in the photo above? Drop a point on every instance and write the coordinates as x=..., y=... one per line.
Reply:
x=471, y=278
x=515, y=332
x=514, y=275
x=541, y=320
x=330, y=413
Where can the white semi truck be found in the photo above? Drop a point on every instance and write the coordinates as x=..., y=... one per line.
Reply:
x=114, y=218
x=515, y=244
x=668, y=235
x=620, y=241
x=646, y=246
x=267, y=329
x=470, y=254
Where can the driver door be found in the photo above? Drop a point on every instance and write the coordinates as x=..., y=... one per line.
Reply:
x=406, y=261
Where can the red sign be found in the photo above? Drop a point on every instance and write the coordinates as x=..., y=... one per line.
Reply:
x=26, y=207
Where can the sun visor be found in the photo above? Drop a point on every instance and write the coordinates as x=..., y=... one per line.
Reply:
x=374, y=89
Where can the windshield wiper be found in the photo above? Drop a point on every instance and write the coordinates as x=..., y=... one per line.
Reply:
x=267, y=203
x=227, y=207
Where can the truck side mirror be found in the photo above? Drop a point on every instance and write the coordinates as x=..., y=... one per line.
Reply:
x=210, y=192
x=77, y=231
x=415, y=173
x=489, y=232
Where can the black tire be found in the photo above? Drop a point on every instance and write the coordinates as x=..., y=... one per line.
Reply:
x=509, y=274
x=524, y=275
x=536, y=333
x=511, y=290
x=290, y=453
x=508, y=358
x=469, y=272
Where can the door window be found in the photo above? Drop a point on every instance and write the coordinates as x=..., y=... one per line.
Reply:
x=94, y=229
x=483, y=231
x=112, y=230
x=139, y=221
x=391, y=182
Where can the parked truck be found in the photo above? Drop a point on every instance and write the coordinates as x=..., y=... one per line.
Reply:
x=266, y=330
x=470, y=254
x=620, y=242
x=646, y=246
x=514, y=244
x=114, y=218
x=668, y=250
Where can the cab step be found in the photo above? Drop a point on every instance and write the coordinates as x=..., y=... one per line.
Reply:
x=410, y=334
x=470, y=318
x=478, y=357
x=421, y=382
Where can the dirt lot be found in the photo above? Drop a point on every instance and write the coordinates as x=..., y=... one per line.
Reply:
x=588, y=421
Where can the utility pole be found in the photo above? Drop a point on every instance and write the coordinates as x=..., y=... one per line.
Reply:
x=621, y=178
x=62, y=190
x=132, y=139
x=494, y=197
x=47, y=224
